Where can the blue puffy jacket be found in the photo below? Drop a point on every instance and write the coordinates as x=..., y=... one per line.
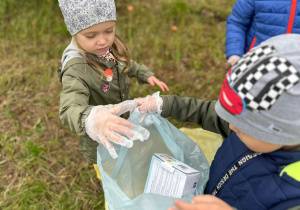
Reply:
x=254, y=21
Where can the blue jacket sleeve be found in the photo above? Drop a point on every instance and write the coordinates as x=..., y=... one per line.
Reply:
x=238, y=24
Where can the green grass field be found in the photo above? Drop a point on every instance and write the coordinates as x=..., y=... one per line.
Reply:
x=40, y=163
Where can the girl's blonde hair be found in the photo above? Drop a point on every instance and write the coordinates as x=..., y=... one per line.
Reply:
x=119, y=51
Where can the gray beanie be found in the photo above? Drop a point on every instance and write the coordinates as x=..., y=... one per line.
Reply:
x=81, y=14
x=261, y=93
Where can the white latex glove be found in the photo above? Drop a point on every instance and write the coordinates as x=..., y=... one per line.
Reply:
x=105, y=126
x=152, y=104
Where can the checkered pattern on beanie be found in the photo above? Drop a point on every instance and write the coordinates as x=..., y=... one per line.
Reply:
x=287, y=77
x=260, y=95
x=249, y=59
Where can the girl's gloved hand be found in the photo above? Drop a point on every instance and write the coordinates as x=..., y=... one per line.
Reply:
x=152, y=104
x=105, y=126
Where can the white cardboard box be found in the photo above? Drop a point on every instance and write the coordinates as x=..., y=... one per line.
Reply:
x=170, y=177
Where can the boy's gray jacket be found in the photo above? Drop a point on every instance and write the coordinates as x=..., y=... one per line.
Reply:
x=83, y=87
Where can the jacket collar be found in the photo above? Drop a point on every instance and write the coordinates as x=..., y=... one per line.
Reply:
x=109, y=64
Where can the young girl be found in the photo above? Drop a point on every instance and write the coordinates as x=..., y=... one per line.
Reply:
x=95, y=73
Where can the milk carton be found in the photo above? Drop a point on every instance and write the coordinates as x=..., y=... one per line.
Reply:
x=170, y=177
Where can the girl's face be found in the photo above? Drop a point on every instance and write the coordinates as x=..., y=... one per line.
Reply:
x=254, y=144
x=98, y=38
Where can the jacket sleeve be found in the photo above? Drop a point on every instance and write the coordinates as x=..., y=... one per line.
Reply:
x=197, y=111
x=237, y=26
x=140, y=71
x=74, y=99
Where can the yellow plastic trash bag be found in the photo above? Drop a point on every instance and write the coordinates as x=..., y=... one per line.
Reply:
x=99, y=177
x=209, y=142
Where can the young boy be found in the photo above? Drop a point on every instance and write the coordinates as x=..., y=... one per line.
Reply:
x=258, y=164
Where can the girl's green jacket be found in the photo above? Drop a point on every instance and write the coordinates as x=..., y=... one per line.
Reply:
x=83, y=87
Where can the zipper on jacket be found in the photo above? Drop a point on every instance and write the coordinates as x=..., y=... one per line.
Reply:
x=118, y=76
x=252, y=44
x=292, y=16
x=290, y=25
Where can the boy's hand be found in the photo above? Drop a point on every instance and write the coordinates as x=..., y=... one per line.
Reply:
x=154, y=81
x=233, y=59
x=202, y=202
x=151, y=104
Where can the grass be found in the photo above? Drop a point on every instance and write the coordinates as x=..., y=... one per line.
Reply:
x=40, y=163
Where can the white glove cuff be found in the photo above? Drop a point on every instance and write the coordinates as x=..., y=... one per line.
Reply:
x=159, y=102
x=89, y=125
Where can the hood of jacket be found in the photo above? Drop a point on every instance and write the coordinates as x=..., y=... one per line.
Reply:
x=70, y=52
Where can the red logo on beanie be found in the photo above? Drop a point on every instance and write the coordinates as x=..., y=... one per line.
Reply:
x=256, y=82
x=229, y=98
